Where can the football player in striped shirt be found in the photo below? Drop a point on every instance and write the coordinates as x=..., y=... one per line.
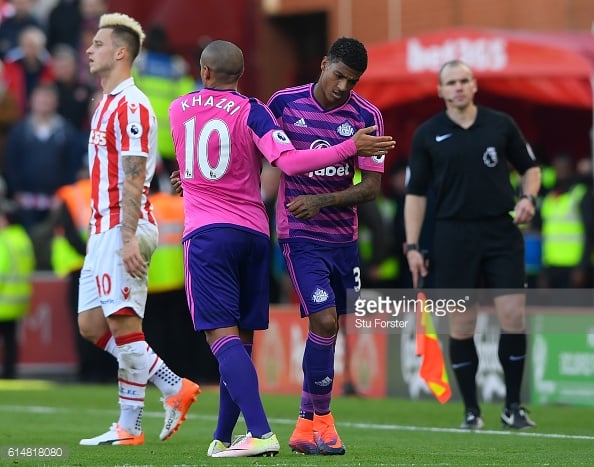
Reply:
x=220, y=137
x=123, y=235
x=316, y=218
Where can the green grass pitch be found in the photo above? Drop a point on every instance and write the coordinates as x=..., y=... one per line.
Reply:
x=375, y=431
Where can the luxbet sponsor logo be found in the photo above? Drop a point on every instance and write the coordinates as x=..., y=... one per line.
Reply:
x=331, y=171
x=394, y=307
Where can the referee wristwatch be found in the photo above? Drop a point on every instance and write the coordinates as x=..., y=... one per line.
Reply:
x=532, y=198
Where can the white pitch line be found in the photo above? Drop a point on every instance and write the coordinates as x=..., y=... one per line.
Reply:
x=284, y=421
x=529, y=434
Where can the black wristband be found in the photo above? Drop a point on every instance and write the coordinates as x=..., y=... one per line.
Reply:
x=532, y=199
x=410, y=247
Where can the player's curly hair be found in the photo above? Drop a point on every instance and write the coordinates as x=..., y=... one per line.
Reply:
x=349, y=51
x=126, y=28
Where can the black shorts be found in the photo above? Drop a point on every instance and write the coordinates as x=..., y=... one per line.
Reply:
x=487, y=253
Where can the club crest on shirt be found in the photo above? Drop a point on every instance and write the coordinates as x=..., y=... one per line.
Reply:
x=490, y=157
x=281, y=137
x=319, y=295
x=345, y=129
x=134, y=130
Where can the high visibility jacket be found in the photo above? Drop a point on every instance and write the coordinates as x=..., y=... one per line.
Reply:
x=163, y=78
x=389, y=268
x=77, y=198
x=17, y=263
x=562, y=228
x=166, y=271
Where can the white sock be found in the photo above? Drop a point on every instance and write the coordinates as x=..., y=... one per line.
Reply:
x=112, y=348
x=133, y=363
x=166, y=380
x=159, y=374
x=131, y=419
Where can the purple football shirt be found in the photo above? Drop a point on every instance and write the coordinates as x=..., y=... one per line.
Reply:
x=308, y=125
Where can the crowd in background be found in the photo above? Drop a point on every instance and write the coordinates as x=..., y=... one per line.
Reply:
x=47, y=94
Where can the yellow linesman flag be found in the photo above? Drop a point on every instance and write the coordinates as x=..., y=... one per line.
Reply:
x=433, y=368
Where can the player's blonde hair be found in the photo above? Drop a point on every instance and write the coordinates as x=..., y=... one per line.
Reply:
x=115, y=20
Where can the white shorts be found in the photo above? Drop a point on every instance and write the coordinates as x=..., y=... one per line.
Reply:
x=104, y=281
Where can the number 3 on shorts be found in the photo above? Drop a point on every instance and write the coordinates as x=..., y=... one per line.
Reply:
x=357, y=277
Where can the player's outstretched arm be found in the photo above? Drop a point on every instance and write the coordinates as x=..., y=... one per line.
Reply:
x=293, y=161
x=368, y=145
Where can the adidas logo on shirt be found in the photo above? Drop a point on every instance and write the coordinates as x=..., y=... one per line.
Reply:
x=301, y=123
x=327, y=381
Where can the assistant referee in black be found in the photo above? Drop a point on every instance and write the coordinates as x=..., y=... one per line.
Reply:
x=463, y=152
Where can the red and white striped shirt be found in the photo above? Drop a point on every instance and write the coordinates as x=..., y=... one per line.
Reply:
x=123, y=124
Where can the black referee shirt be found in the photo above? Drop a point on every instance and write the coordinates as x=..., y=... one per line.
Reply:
x=468, y=168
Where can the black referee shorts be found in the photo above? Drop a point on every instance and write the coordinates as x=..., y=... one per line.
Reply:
x=486, y=253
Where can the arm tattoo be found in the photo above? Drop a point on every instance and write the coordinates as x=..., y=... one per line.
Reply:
x=367, y=190
x=134, y=175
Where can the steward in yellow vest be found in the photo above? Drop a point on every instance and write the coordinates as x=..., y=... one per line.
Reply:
x=379, y=267
x=166, y=271
x=562, y=227
x=72, y=227
x=17, y=264
x=567, y=221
